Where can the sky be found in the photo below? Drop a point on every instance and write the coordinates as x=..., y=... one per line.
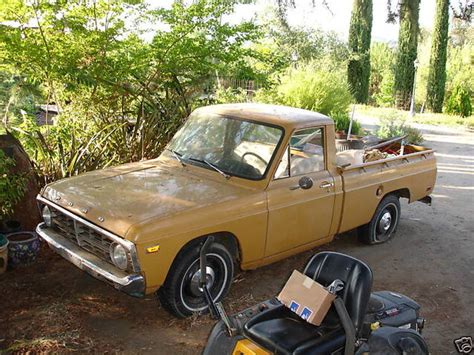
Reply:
x=336, y=20
x=308, y=16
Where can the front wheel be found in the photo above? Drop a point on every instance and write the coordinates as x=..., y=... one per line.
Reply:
x=384, y=222
x=182, y=295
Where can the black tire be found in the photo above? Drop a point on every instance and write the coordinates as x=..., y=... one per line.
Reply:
x=180, y=295
x=384, y=222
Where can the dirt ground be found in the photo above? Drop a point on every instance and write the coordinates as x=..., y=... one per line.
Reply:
x=52, y=306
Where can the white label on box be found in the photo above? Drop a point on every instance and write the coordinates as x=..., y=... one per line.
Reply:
x=308, y=282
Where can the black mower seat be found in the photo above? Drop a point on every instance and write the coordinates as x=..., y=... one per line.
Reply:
x=283, y=332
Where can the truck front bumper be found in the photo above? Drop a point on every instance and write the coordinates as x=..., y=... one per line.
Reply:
x=133, y=284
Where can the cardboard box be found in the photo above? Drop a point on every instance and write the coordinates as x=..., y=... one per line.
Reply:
x=306, y=297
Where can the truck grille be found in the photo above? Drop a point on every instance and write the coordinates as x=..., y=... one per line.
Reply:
x=80, y=234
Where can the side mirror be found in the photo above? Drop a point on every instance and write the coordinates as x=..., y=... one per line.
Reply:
x=305, y=183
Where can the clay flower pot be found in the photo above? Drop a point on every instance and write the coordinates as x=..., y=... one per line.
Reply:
x=341, y=135
x=23, y=248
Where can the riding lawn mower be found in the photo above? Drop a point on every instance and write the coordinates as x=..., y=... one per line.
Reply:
x=358, y=322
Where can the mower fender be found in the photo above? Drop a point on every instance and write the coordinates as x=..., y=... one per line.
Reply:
x=219, y=342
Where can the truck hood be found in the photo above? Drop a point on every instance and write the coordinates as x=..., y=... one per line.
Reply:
x=117, y=198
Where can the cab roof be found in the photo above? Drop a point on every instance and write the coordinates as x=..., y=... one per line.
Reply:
x=284, y=116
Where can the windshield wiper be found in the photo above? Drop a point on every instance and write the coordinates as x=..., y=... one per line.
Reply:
x=178, y=156
x=227, y=176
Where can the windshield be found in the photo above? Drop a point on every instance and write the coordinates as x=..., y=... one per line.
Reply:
x=234, y=146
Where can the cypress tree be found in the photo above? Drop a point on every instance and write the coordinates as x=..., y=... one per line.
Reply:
x=406, y=54
x=358, y=69
x=437, y=72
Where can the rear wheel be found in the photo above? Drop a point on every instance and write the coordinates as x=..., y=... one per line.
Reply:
x=182, y=295
x=384, y=222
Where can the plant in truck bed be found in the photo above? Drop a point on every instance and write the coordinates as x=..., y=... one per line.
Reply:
x=393, y=124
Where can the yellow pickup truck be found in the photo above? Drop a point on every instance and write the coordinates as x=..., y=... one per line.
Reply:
x=266, y=181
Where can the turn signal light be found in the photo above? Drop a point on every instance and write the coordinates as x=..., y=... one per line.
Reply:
x=153, y=249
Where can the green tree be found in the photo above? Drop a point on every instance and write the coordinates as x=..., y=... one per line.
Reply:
x=437, y=73
x=121, y=97
x=358, y=70
x=407, y=52
x=382, y=58
x=17, y=95
x=384, y=97
x=294, y=44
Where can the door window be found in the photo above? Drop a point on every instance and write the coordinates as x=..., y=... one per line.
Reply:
x=304, y=155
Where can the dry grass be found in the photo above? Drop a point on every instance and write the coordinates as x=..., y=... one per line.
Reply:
x=59, y=328
x=35, y=345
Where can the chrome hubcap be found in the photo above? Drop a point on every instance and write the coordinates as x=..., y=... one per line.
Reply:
x=194, y=285
x=385, y=222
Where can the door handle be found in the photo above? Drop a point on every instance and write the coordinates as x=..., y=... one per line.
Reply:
x=326, y=185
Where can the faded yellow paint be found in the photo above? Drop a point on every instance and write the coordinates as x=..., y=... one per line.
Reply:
x=160, y=202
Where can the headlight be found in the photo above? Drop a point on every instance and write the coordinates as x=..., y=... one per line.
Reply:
x=119, y=257
x=47, y=216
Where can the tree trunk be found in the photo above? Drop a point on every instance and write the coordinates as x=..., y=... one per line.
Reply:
x=407, y=51
x=358, y=69
x=437, y=74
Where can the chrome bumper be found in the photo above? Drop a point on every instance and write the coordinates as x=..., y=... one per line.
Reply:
x=133, y=285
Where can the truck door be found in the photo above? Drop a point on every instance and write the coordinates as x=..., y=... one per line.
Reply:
x=299, y=215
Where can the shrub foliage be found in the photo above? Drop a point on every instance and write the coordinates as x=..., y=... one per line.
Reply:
x=313, y=87
x=459, y=102
x=12, y=185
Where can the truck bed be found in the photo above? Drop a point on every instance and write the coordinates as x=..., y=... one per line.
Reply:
x=411, y=175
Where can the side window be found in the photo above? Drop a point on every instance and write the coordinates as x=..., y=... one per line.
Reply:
x=283, y=170
x=305, y=154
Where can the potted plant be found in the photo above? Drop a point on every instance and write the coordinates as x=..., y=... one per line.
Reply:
x=12, y=188
x=23, y=246
x=341, y=122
